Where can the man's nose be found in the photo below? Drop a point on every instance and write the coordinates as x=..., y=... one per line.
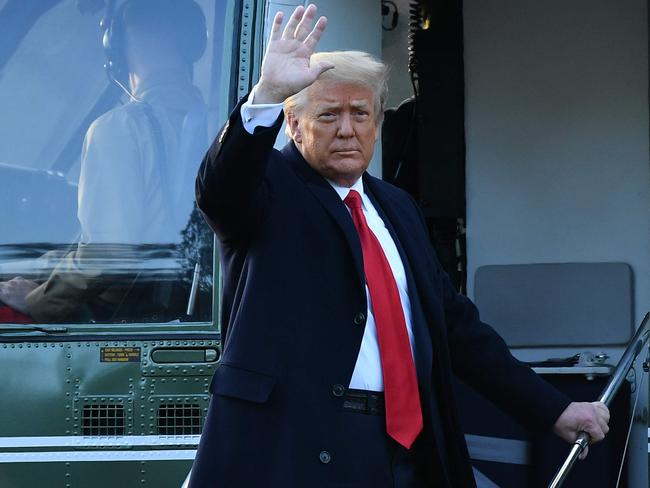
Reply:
x=345, y=126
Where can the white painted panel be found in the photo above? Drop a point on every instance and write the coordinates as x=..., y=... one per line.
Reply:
x=89, y=456
x=557, y=134
x=99, y=441
x=557, y=142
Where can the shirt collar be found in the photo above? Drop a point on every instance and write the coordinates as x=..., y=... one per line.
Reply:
x=343, y=191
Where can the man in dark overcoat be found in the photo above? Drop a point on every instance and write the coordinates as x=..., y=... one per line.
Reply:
x=341, y=330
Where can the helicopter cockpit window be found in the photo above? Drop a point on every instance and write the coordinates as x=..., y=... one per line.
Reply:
x=104, y=110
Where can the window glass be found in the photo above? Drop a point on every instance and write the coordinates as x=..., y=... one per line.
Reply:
x=104, y=110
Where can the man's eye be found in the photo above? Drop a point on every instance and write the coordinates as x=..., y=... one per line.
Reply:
x=326, y=115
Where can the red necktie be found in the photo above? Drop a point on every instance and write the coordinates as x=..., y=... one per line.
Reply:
x=403, y=412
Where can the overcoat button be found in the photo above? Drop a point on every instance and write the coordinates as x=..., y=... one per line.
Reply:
x=324, y=457
x=360, y=318
x=338, y=390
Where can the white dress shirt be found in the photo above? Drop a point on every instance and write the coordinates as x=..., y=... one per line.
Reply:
x=367, y=374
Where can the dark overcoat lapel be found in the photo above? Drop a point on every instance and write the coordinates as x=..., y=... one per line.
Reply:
x=330, y=200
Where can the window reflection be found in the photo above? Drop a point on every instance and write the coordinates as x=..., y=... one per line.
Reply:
x=138, y=241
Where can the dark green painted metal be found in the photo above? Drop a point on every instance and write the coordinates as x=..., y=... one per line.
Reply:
x=156, y=474
x=33, y=475
x=36, y=398
x=118, y=474
x=47, y=385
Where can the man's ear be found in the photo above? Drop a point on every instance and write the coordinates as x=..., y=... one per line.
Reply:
x=294, y=128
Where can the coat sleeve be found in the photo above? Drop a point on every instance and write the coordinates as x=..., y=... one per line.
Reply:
x=481, y=358
x=231, y=186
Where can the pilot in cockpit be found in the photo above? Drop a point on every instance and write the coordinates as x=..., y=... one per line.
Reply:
x=136, y=191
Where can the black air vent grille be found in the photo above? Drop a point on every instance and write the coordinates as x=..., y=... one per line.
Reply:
x=103, y=420
x=179, y=419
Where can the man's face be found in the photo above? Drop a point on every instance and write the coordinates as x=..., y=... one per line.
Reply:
x=336, y=130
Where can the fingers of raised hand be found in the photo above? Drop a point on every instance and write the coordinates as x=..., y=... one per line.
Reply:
x=290, y=29
x=275, y=28
x=304, y=27
x=299, y=27
x=314, y=36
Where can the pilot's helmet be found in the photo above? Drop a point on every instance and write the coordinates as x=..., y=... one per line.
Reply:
x=182, y=21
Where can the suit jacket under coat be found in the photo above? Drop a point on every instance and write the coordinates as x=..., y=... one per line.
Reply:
x=293, y=315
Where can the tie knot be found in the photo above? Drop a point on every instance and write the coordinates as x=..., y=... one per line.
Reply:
x=353, y=200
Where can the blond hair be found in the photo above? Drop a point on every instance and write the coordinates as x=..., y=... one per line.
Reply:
x=355, y=67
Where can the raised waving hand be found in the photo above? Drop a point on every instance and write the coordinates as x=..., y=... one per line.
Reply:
x=286, y=68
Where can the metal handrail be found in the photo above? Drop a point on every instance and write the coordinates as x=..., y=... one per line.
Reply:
x=615, y=381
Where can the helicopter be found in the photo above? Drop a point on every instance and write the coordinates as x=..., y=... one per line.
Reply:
x=520, y=128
